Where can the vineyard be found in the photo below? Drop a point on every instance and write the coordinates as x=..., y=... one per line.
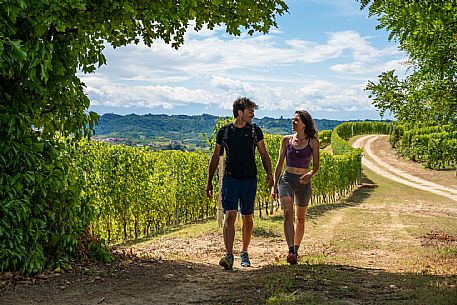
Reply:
x=132, y=192
x=136, y=192
x=344, y=256
x=436, y=146
x=64, y=200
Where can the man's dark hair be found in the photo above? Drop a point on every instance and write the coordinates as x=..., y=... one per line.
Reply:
x=242, y=103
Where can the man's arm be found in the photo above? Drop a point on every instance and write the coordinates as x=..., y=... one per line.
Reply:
x=213, y=164
x=266, y=161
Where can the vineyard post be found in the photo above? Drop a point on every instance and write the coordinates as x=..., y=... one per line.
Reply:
x=177, y=180
x=220, y=211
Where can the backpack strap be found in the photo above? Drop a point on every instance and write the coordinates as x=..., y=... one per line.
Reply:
x=254, y=136
x=225, y=138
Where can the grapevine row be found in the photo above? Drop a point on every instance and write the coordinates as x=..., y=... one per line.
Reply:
x=136, y=192
x=436, y=146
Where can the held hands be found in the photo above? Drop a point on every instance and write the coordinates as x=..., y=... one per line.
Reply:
x=306, y=178
x=274, y=192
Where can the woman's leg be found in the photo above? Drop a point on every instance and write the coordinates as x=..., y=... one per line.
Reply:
x=300, y=215
x=287, y=204
x=303, y=197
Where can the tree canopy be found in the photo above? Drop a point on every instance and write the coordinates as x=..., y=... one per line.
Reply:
x=43, y=45
x=427, y=31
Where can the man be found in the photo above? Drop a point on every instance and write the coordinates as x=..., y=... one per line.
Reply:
x=239, y=184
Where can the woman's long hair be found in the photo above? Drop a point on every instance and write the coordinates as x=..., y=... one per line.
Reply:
x=310, y=127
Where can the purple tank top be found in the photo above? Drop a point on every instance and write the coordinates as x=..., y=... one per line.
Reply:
x=298, y=157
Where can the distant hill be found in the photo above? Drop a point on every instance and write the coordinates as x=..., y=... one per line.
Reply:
x=180, y=129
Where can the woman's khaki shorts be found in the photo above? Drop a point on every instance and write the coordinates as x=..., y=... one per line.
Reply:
x=290, y=186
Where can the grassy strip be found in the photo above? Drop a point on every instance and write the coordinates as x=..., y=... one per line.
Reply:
x=413, y=255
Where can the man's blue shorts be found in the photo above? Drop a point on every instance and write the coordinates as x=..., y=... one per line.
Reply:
x=242, y=191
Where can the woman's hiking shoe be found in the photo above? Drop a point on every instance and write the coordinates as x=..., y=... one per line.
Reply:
x=244, y=259
x=292, y=258
x=226, y=262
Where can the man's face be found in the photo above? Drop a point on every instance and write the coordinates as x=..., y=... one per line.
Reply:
x=248, y=114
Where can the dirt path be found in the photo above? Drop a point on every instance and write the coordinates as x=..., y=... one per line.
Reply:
x=386, y=244
x=397, y=174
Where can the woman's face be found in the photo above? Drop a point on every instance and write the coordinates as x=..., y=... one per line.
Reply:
x=297, y=123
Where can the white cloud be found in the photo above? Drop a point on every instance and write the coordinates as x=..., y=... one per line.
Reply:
x=213, y=69
x=204, y=57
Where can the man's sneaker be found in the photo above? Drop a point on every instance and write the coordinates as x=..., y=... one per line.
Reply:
x=244, y=259
x=292, y=258
x=226, y=262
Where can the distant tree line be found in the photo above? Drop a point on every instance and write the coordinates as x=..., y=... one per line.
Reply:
x=187, y=129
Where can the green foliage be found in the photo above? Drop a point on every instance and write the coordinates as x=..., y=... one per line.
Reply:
x=426, y=30
x=272, y=143
x=349, y=129
x=190, y=131
x=435, y=146
x=43, y=44
x=342, y=171
x=325, y=137
x=136, y=192
x=418, y=98
x=99, y=251
x=41, y=212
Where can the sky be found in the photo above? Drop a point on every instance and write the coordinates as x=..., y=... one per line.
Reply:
x=319, y=59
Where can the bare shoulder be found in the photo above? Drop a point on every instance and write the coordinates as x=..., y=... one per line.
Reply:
x=314, y=142
x=286, y=138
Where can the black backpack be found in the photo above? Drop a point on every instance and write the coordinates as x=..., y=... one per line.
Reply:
x=226, y=133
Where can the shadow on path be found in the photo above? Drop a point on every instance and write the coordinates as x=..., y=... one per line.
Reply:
x=337, y=284
x=178, y=282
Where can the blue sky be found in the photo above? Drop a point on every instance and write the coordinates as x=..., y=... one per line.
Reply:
x=319, y=59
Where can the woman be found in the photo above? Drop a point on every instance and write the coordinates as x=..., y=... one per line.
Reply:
x=294, y=185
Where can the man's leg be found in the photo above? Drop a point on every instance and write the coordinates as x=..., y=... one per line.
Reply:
x=230, y=205
x=247, y=199
x=248, y=226
x=229, y=230
x=229, y=236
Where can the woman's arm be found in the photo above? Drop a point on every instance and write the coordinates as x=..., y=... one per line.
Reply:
x=279, y=166
x=316, y=155
x=306, y=178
